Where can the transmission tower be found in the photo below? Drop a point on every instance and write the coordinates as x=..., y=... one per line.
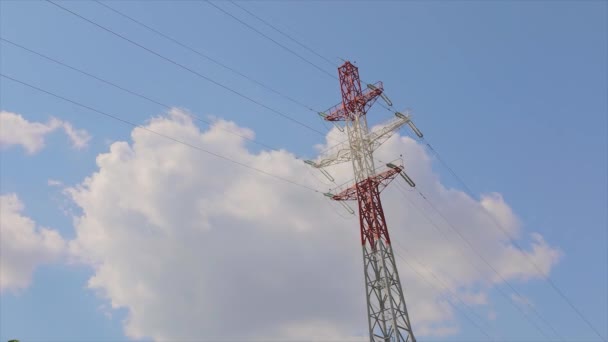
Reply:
x=387, y=315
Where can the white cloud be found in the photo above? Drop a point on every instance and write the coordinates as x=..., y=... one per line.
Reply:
x=479, y=298
x=23, y=246
x=197, y=248
x=54, y=182
x=16, y=130
x=79, y=137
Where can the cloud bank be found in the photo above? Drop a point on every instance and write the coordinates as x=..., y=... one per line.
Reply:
x=196, y=248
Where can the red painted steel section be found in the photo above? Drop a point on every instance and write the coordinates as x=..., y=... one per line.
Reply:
x=367, y=192
x=354, y=100
x=371, y=215
x=380, y=180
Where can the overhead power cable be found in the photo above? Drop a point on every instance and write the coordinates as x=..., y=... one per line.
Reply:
x=130, y=91
x=205, y=56
x=438, y=290
x=176, y=140
x=147, y=98
x=180, y=142
x=512, y=240
x=482, y=274
x=272, y=40
x=194, y=72
x=494, y=270
x=283, y=33
x=444, y=285
x=544, y=276
x=139, y=95
x=265, y=22
x=390, y=109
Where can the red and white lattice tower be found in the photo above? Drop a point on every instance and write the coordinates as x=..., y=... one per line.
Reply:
x=387, y=313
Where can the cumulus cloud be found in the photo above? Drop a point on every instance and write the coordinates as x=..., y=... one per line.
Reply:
x=196, y=248
x=16, y=130
x=24, y=245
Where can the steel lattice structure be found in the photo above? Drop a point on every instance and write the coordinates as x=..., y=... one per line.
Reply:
x=387, y=313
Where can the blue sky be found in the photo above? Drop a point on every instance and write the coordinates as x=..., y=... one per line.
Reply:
x=511, y=93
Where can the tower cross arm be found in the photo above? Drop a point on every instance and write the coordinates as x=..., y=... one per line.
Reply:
x=380, y=180
x=379, y=136
x=375, y=138
x=343, y=155
x=366, y=99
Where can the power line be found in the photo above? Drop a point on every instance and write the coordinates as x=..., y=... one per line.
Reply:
x=137, y=94
x=272, y=40
x=482, y=274
x=127, y=122
x=512, y=240
x=389, y=108
x=129, y=91
x=283, y=33
x=114, y=117
x=194, y=72
x=277, y=30
x=204, y=56
x=438, y=290
x=147, y=98
x=445, y=286
x=502, y=278
x=545, y=276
